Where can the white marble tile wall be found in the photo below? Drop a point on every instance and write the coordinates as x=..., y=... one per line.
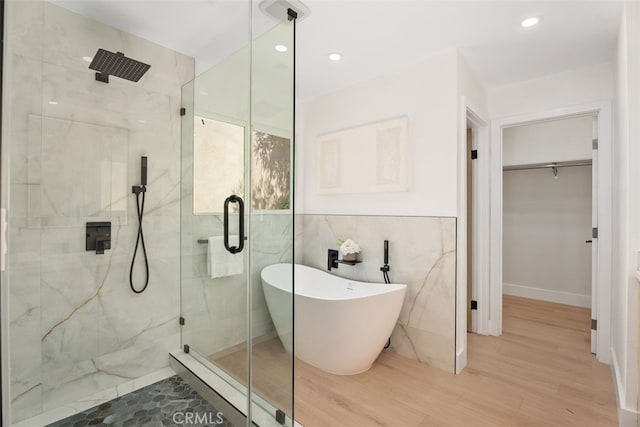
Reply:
x=75, y=327
x=422, y=254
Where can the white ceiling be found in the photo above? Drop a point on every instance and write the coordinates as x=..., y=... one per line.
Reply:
x=376, y=37
x=208, y=30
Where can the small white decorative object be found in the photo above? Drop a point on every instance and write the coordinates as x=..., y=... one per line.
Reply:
x=349, y=250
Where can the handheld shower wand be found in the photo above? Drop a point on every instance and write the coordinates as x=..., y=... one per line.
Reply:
x=386, y=252
x=143, y=171
x=385, y=273
x=138, y=190
x=385, y=268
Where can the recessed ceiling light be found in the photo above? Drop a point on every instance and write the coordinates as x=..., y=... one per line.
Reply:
x=281, y=48
x=530, y=22
x=87, y=58
x=53, y=102
x=335, y=56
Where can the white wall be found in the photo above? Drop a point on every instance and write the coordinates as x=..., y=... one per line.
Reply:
x=434, y=95
x=426, y=93
x=545, y=224
x=554, y=141
x=473, y=90
x=580, y=86
x=626, y=213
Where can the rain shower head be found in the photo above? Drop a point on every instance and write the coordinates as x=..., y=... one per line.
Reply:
x=116, y=64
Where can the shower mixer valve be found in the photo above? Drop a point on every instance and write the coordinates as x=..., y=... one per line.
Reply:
x=98, y=237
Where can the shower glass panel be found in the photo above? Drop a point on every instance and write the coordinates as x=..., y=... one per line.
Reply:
x=215, y=129
x=271, y=186
x=237, y=140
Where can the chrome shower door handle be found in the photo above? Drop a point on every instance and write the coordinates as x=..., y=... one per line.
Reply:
x=234, y=199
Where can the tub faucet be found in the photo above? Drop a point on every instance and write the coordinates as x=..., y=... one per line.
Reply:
x=332, y=259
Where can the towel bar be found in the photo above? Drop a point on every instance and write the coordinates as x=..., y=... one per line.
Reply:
x=205, y=241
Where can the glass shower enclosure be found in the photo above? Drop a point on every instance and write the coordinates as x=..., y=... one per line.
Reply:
x=237, y=218
x=213, y=115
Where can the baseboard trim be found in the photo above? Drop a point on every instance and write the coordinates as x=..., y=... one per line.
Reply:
x=626, y=417
x=547, y=295
x=461, y=360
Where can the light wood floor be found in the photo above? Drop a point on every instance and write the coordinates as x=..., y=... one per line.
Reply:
x=538, y=373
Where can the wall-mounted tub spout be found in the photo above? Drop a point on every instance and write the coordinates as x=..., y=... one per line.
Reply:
x=332, y=259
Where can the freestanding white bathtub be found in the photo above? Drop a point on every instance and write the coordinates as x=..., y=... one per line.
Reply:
x=341, y=325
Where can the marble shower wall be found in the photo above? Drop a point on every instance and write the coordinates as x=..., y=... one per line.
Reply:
x=73, y=154
x=422, y=255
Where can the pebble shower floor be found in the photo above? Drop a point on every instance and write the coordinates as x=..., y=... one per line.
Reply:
x=165, y=403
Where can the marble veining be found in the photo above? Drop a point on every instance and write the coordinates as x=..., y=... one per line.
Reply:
x=422, y=254
x=76, y=329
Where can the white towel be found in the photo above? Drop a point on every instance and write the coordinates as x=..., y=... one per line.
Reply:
x=220, y=262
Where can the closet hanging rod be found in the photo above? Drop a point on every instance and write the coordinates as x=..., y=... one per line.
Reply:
x=548, y=165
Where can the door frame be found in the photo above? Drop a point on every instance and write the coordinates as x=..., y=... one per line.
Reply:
x=480, y=125
x=490, y=280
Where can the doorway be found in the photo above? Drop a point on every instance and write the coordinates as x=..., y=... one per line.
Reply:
x=490, y=283
x=548, y=212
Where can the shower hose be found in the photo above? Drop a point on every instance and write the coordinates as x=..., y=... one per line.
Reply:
x=139, y=241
